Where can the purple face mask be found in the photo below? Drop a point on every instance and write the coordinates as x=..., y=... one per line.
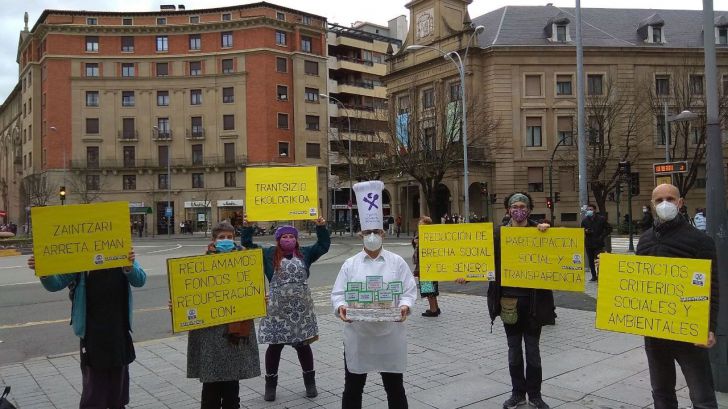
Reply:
x=519, y=215
x=288, y=245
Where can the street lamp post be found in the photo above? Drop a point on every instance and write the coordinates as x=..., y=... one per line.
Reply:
x=551, y=176
x=168, y=211
x=63, y=183
x=351, y=187
x=460, y=64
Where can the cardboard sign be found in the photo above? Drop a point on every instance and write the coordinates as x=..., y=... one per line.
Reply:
x=73, y=238
x=659, y=297
x=289, y=193
x=551, y=260
x=216, y=289
x=452, y=251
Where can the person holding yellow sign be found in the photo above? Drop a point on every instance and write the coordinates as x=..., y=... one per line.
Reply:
x=101, y=315
x=291, y=319
x=673, y=236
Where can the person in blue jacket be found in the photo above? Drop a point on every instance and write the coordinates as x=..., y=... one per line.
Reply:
x=101, y=316
x=291, y=319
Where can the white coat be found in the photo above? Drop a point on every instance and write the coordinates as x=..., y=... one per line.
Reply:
x=375, y=346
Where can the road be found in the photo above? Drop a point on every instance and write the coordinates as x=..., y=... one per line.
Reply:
x=35, y=322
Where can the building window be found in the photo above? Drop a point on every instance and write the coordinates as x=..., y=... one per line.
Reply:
x=428, y=98
x=662, y=85
x=229, y=149
x=197, y=130
x=162, y=43
x=565, y=126
x=696, y=84
x=127, y=21
x=163, y=131
x=280, y=38
x=311, y=68
x=594, y=131
x=93, y=182
x=228, y=95
x=195, y=42
x=696, y=135
x=533, y=85
x=282, y=92
x=594, y=84
x=226, y=17
x=162, y=98
x=281, y=64
x=163, y=155
x=195, y=68
x=282, y=121
x=197, y=154
x=312, y=123
x=92, y=98
x=455, y=92
x=92, y=21
x=92, y=157
x=307, y=20
x=656, y=34
x=195, y=97
x=563, y=85
x=313, y=150
x=163, y=180
x=92, y=126
x=128, y=130
x=723, y=35
x=283, y=149
x=129, y=156
x=92, y=69
x=561, y=33
x=230, y=179
x=280, y=16
x=127, y=44
x=198, y=180
x=535, y=179
x=533, y=132
x=306, y=44
x=162, y=69
x=127, y=70
x=403, y=104
x=226, y=39
x=227, y=66
x=228, y=122
x=194, y=19
x=127, y=98
x=92, y=44
x=129, y=182
x=161, y=21
x=312, y=95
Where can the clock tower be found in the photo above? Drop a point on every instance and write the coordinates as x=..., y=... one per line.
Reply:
x=434, y=20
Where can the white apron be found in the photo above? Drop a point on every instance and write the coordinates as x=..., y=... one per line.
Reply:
x=375, y=347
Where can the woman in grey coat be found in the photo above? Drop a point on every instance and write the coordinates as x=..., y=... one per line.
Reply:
x=220, y=356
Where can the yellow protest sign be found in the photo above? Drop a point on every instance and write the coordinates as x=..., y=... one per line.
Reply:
x=216, y=289
x=550, y=260
x=452, y=251
x=283, y=193
x=68, y=239
x=659, y=297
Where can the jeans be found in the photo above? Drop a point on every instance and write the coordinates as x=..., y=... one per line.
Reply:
x=526, y=331
x=354, y=387
x=695, y=365
x=216, y=395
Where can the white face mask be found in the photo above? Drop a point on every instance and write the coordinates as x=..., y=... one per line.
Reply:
x=373, y=242
x=666, y=211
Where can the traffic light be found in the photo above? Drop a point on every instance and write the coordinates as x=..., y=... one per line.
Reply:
x=62, y=194
x=625, y=168
x=493, y=198
x=549, y=203
x=557, y=197
x=635, y=183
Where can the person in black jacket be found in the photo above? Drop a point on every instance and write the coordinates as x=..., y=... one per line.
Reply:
x=596, y=230
x=535, y=309
x=673, y=236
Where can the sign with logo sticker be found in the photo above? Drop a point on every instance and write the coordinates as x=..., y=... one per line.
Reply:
x=452, y=251
x=282, y=193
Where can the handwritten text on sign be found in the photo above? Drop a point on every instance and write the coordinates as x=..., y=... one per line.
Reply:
x=452, y=251
x=216, y=289
x=658, y=297
x=68, y=239
x=551, y=260
x=282, y=193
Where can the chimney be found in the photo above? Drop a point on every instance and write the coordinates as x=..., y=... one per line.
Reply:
x=167, y=7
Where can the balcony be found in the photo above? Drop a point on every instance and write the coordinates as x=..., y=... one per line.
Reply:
x=162, y=136
x=367, y=88
x=195, y=133
x=359, y=65
x=128, y=135
x=208, y=162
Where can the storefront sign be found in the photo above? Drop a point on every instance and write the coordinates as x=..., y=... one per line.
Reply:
x=282, y=193
x=231, y=203
x=452, y=251
x=198, y=203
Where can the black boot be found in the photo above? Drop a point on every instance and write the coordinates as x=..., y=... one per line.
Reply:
x=309, y=379
x=271, y=382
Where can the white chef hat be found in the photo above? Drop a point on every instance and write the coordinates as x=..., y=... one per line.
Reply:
x=369, y=202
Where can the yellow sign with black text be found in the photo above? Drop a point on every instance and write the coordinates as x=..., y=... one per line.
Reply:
x=73, y=238
x=216, y=289
x=452, y=251
x=550, y=260
x=659, y=297
x=282, y=193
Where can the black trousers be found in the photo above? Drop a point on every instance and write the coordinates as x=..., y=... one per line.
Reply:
x=354, y=387
x=591, y=254
x=217, y=395
x=104, y=388
x=695, y=365
x=525, y=332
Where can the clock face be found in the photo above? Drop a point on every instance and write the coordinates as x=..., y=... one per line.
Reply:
x=425, y=23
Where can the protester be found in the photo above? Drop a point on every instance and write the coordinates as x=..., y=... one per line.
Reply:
x=428, y=289
x=398, y=222
x=374, y=346
x=291, y=319
x=596, y=230
x=684, y=214
x=699, y=221
x=101, y=316
x=222, y=355
x=673, y=236
x=647, y=219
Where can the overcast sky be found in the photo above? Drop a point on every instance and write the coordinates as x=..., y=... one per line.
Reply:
x=343, y=12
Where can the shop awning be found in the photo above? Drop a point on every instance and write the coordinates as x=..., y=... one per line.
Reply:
x=140, y=210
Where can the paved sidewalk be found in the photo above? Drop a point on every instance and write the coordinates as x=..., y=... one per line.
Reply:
x=454, y=362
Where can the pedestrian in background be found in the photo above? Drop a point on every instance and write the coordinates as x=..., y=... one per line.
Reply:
x=291, y=319
x=222, y=355
x=647, y=218
x=428, y=289
x=596, y=230
x=101, y=315
x=700, y=221
x=399, y=225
